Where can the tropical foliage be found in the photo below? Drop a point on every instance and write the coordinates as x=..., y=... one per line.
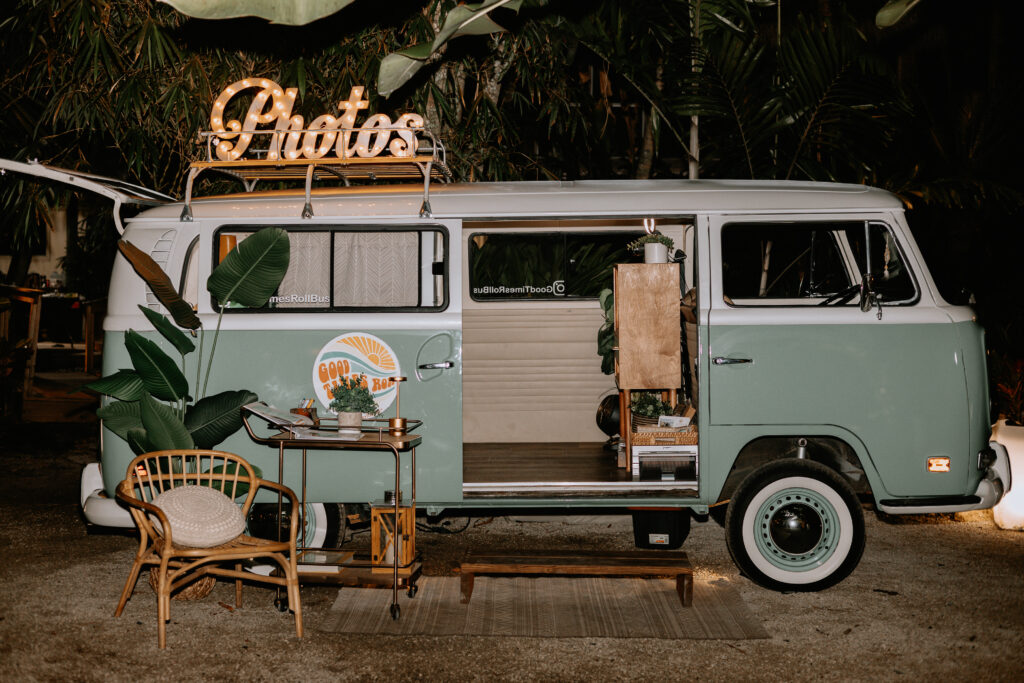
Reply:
x=153, y=408
x=526, y=90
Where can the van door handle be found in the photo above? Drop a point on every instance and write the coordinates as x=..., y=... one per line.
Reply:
x=443, y=365
x=720, y=360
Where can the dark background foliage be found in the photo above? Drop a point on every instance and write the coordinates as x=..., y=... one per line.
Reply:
x=802, y=89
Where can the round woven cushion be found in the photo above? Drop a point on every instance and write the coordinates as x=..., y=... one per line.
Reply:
x=200, y=517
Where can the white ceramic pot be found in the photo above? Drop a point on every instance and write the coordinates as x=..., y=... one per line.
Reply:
x=655, y=252
x=350, y=420
x=1009, y=513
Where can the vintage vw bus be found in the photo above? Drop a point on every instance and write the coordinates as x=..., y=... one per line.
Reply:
x=825, y=369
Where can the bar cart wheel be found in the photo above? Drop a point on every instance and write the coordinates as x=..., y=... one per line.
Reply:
x=413, y=589
x=281, y=604
x=396, y=612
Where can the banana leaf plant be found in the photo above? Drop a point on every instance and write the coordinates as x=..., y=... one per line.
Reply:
x=153, y=407
x=606, y=338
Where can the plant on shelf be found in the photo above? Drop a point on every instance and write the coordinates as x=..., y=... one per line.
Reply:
x=352, y=399
x=153, y=407
x=649, y=404
x=651, y=238
x=606, y=340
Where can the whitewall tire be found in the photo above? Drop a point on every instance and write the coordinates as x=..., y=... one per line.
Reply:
x=795, y=525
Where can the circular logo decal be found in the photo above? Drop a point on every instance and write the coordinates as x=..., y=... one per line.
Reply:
x=354, y=355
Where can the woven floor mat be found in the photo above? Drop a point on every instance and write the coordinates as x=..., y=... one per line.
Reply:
x=550, y=607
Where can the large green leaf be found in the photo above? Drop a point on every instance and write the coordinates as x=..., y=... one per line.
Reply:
x=464, y=20
x=217, y=417
x=171, y=333
x=121, y=417
x=158, y=372
x=138, y=441
x=398, y=67
x=160, y=284
x=252, y=271
x=293, y=12
x=125, y=385
x=164, y=430
x=893, y=11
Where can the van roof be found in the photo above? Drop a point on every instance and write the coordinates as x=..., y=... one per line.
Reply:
x=543, y=198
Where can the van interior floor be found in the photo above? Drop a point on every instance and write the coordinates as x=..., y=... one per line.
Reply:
x=562, y=470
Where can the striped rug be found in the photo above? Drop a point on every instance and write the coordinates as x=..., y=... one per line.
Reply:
x=550, y=607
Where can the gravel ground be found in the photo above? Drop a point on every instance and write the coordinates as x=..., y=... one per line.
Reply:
x=931, y=597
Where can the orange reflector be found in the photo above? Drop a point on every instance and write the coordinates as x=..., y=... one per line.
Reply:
x=938, y=464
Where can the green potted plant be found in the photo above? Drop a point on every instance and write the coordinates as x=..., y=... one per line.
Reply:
x=151, y=406
x=646, y=407
x=656, y=247
x=352, y=399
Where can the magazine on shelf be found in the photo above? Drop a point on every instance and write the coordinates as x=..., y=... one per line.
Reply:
x=327, y=434
x=276, y=416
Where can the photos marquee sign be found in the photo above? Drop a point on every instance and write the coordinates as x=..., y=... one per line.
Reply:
x=291, y=138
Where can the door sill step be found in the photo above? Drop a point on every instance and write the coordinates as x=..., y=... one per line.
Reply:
x=549, y=489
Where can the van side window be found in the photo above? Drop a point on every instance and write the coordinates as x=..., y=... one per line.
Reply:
x=535, y=265
x=804, y=263
x=357, y=268
x=781, y=261
x=876, y=251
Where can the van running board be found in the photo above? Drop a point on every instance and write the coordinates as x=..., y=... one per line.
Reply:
x=595, y=489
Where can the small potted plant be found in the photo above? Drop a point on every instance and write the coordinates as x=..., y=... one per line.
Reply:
x=352, y=399
x=656, y=247
x=646, y=407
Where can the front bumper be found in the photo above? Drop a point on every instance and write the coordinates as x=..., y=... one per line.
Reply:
x=98, y=508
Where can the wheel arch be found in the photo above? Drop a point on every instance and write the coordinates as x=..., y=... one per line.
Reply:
x=834, y=447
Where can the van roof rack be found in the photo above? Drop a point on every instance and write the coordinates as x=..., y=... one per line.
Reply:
x=429, y=162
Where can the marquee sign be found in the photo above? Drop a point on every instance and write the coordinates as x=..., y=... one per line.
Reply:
x=326, y=135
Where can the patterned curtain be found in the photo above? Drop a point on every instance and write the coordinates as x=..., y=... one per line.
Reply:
x=376, y=269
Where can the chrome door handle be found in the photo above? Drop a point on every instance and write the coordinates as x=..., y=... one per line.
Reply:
x=720, y=360
x=443, y=365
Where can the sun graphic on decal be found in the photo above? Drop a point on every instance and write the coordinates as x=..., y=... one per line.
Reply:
x=376, y=353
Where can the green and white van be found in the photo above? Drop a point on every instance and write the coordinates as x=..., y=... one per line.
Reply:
x=827, y=371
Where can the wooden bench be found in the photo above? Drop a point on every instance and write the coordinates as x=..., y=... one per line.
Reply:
x=582, y=563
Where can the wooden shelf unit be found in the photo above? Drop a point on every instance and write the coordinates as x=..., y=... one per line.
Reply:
x=649, y=333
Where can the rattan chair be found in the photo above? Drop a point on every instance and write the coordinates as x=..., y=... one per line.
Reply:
x=151, y=474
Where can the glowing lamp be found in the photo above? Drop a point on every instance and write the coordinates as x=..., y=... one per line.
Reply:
x=1009, y=513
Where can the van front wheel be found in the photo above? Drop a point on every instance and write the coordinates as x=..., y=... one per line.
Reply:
x=795, y=525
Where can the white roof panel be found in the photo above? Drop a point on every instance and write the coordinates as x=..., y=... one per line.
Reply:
x=539, y=199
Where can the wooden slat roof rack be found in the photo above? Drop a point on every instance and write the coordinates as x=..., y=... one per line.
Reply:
x=429, y=163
